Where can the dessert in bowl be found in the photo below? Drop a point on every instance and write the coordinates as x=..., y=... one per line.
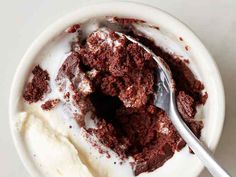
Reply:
x=82, y=99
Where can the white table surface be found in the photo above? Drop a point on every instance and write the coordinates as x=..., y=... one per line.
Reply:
x=214, y=21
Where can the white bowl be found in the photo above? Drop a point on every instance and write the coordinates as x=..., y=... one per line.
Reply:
x=182, y=164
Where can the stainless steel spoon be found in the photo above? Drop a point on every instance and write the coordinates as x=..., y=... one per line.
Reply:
x=166, y=100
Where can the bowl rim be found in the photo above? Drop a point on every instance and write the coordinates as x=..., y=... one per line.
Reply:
x=61, y=24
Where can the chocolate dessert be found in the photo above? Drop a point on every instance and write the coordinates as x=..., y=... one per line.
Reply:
x=113, y=78
x=35, y=89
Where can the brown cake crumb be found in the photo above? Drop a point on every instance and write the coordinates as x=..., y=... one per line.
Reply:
x=187, y=48
x=186, y=61
x=50, y=104
x=73, y=28
x=156, y=27
x=204, y=98
x=38, y=86
x=127, y=21
x=185, y=104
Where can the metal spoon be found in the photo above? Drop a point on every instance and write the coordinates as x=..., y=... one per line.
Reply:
x=166, y=100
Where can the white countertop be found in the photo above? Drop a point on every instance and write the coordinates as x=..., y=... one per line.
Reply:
x=214, y=21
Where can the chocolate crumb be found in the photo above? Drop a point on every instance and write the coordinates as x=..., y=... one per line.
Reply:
x=186, y=105
x=50, y=104
x=156, y=27
x=186, y=61
x=73, y=28
x=38, y=86
x=67, y=95
x=127, y=21
x=108, y=155
x=181, y=39
x=186, y=47
x=204, y=98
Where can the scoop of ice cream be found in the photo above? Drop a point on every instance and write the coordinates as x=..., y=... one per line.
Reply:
x=51, y=149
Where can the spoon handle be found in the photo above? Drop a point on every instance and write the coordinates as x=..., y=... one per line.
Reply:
x=198, y=148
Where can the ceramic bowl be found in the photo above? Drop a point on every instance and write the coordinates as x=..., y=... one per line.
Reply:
x=183, y=163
